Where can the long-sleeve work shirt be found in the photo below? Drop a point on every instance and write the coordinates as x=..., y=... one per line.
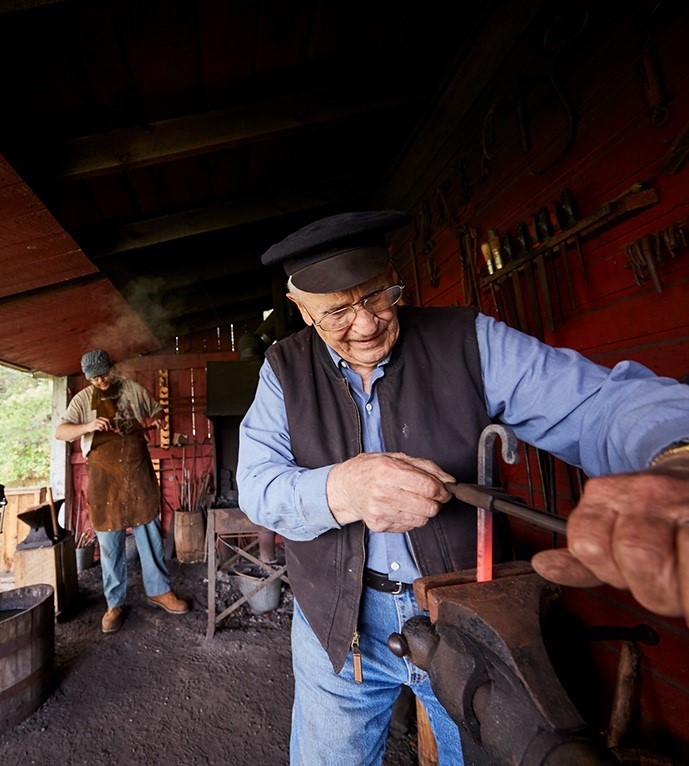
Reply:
x=602, y=420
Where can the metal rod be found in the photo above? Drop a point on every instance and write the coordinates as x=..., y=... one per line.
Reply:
x=491, y=499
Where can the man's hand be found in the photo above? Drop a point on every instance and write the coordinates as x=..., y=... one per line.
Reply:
x=630, y=531
x=99, y=424
x=388, y=491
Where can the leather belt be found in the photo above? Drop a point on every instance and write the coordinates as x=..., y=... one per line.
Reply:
x=381, y=582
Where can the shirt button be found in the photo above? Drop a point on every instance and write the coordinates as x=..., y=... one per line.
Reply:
x=369, y=407
x=394, y=566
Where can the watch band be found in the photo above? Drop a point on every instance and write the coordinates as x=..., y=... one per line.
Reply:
x=678, y=448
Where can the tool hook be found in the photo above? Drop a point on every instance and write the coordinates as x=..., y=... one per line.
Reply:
x=485, y=450
x=484, y=517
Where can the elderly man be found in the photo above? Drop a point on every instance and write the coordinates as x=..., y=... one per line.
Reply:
x=361, y=418
x=109, y=418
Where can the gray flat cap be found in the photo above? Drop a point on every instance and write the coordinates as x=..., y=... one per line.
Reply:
x=338, y=252
x=95, y=363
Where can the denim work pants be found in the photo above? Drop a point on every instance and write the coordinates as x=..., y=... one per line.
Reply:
x=338, y=722
x=113, y=561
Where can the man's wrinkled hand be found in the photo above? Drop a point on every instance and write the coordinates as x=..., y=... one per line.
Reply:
x=632, y=532
x=388, y=491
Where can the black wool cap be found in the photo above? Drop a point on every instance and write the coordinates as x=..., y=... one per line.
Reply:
x=338, y=252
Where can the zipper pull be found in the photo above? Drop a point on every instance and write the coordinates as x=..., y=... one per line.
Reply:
x=356, y=659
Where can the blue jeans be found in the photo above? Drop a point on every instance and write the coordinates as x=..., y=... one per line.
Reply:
x=338, y=722
x=113, y=561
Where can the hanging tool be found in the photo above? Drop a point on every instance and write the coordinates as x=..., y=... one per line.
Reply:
x=537, y=237
x=568, y=208
x=558, y=224
x=648, y=256
x=534, y=306
x=494, y=289
x=508, y=250
x=468, y=244
x=502, y=286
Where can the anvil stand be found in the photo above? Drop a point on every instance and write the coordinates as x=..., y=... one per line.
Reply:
x=47, y=555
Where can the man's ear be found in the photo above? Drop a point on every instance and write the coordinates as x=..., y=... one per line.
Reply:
x=304, y=314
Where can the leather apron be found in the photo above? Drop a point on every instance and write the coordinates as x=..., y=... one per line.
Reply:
x=123, y=490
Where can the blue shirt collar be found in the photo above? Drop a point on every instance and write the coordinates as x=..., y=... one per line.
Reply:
x=340, y=362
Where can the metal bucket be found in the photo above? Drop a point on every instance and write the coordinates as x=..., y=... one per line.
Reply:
x=248, y=578
x=27, y=649
x=84, y=557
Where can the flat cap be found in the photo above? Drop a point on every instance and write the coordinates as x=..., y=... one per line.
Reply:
x=95, y=363
x=338, y=252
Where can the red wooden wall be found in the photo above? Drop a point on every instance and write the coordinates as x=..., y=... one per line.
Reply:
x=620, y=139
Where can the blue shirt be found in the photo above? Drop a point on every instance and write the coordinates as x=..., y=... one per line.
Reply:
x=602, y=420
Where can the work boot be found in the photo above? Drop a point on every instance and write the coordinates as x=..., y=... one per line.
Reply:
x=112, y=619
x=170, y=603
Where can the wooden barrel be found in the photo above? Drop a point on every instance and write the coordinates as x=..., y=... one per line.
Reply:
x=190, y=536
x=27, y=649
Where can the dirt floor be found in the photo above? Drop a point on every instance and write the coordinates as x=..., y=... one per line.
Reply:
x=154, y=693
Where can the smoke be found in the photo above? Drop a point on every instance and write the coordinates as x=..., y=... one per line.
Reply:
x=135, y=322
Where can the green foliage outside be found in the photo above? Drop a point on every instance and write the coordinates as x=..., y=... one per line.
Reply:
x=25, y=429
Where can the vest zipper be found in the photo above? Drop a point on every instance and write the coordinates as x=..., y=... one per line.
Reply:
x=357, y=662
x=356, y=659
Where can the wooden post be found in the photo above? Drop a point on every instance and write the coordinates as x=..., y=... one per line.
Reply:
x=428, y=750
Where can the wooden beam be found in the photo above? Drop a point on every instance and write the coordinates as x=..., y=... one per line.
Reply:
x=196, y=134
x=166, y=228
x=11, y=6
x=56, y=287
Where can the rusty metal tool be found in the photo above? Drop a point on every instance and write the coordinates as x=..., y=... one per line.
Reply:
x=669, y=239
x=558, y=222
x=508, y=249
x=648, y=256
x=534, y=306
x=538, y=237
x=635, y=262
x=545, y=292
x=484, y=548
x=491, y=499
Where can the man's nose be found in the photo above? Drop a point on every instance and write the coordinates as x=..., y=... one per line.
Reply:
x=364, y=320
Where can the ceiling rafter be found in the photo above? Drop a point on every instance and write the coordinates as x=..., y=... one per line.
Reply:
x=195, y=134
x=224, y=215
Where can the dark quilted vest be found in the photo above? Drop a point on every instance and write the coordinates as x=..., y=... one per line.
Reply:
x=432, y=406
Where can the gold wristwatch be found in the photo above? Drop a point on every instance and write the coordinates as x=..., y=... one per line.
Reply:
x=680, y=447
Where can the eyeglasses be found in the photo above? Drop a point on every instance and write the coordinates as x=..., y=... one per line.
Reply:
x=339, y=319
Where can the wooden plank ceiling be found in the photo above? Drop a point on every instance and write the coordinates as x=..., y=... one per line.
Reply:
x=151, y=151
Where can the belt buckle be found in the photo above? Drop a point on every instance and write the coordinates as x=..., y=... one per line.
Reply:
x=399, y=589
